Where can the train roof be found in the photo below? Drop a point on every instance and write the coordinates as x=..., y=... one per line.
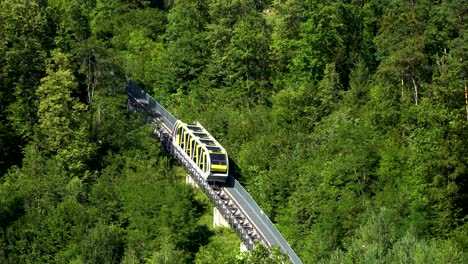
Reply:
x=203, y=137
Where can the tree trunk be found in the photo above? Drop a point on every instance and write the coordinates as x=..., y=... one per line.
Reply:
x=402, y=86
x=415, y=91
x=466, y=101
x=92, y=78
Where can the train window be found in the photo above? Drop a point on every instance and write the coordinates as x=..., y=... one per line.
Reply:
x=186, y=141
x=200, y=158
x=200, y=135
x=204, y=167
x=192, y=147
x=207, y=142
x=218, y=159
x=194, y=128
x=182, y=139
x=214, y=149
x=202, y=161
x=187, y=146
x=197, y=155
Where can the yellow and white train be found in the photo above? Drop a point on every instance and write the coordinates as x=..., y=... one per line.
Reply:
x=202, y=150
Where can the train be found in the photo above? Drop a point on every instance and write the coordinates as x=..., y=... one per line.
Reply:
x=192, y=141
x=202, y=149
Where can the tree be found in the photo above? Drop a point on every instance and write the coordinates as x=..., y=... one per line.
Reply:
x=261, y=254
x=358, y=93
x=70, y=21
x=11, y=154
x=238, y=38
x=297, y=107
x=24, y=42
x=222, y=248
x=247, y=60
x=186, y=44
x=60, y=128
x=103, y=244
x=401, y=43
x=307, y=36
x=330, y=90
x=286, y=18
x=168, y=254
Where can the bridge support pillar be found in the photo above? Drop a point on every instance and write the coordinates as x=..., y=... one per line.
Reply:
x=218, y=219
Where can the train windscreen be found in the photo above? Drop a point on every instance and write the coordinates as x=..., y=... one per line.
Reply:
x=218, y=159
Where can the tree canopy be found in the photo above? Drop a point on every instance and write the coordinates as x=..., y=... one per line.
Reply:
x=346, y=120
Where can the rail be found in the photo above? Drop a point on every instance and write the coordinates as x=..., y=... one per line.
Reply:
x=152, y=106
x=266, y=228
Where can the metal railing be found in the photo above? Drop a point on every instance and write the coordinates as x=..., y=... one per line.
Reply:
x=275, y=238
x=153, y=107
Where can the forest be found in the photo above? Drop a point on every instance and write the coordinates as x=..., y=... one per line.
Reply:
x=346, y=120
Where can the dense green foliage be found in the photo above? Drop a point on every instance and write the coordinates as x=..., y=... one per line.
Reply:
x=347, y=121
